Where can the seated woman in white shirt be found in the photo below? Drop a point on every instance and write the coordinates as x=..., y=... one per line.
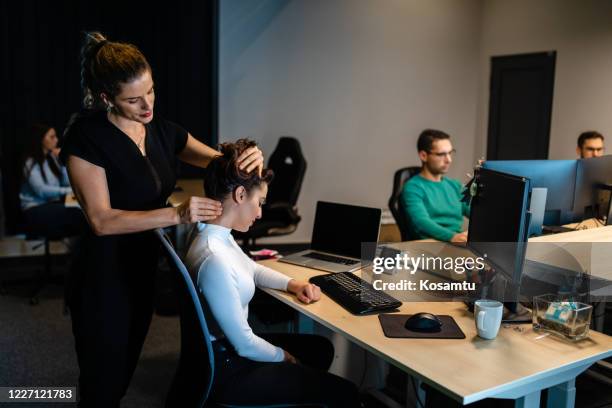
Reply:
x=44, y=185
x=249, y=368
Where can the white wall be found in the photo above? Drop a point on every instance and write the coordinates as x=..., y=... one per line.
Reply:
x=581, y=33
x=355, y=81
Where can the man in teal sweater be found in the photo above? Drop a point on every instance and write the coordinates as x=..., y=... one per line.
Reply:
x=433, y=202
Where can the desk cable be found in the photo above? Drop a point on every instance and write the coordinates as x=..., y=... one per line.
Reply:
x=416, y=394
x=365, y=368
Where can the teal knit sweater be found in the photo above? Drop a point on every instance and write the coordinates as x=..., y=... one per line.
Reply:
x=434, y=208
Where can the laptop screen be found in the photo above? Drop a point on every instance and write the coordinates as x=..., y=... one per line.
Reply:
x=341, y=228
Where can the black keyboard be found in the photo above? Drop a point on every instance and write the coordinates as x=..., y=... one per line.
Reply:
x=354, y=294
x=330, y=258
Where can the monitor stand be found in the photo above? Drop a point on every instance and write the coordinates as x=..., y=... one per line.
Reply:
x=516, y=313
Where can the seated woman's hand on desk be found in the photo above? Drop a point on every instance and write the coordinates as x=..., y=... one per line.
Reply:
x=304, y=291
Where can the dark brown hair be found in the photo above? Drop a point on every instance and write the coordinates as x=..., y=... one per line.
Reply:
x=591, y=134
x=105, y=65
x=427, y=137
x=34, y=151
x=223, y=175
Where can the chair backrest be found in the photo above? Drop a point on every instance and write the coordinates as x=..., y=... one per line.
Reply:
x=395, y=205
x=194, y=376
x=11, y=178
x=289, y=166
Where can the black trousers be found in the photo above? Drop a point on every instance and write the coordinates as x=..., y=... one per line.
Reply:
x=111, y=301
x=108, y=347
x=241, y=381
x=55, y=220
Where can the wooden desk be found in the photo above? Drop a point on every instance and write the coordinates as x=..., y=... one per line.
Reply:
x=70, y=200
x=189, y=187
x=586, y=224
x=15, y=247
x=601, y=234
x=591, y=248
x=389, y=233
x=516, y=365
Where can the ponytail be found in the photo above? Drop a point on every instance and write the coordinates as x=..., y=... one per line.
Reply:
x=105, y=65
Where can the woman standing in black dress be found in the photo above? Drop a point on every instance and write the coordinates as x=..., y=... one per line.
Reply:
x=121, y=160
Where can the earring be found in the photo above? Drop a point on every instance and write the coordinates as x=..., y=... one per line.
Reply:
x=109, y=107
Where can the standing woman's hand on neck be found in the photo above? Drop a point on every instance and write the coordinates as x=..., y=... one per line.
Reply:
x=198, y=209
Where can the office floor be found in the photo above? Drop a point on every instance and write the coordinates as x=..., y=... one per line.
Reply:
x=37, y=349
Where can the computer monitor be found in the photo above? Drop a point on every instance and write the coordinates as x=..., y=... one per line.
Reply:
x=499, y=221
x=592, y=177
x=498, y=231
x=557, y=176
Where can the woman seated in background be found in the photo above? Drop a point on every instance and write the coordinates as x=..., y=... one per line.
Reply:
x=252, y=369
x=45, y=183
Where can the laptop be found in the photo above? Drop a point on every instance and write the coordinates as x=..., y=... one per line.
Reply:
x=339, y=230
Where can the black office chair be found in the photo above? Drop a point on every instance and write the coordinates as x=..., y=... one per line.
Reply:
x=395, y=205
x=279, y=214
x=36, y=230
x=44, y=275
x=36, y=238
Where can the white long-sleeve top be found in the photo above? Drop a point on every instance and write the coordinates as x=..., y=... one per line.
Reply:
x=37, y=190
x=227, y=277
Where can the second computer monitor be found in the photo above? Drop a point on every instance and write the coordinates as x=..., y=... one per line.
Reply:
x=593, y=176
x=557, y=176
x=499, y=221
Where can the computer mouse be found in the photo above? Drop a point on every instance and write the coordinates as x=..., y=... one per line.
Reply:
x=424, y=322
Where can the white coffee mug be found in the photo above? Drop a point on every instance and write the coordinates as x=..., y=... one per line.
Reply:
x=488, y=317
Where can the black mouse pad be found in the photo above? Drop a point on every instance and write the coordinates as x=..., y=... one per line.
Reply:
x=393, y=326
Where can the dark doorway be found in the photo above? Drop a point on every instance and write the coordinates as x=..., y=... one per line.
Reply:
x=520, y=106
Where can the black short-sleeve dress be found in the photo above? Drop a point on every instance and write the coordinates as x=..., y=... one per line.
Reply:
x=112, y=280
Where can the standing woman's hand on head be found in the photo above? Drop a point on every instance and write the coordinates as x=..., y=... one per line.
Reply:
x=250, y=159
x=197, y=209
x=198, y=154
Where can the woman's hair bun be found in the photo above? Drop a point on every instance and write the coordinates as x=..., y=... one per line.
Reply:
x=223, y=174
x=231, y=151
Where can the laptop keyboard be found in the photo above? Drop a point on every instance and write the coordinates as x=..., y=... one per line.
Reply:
x=354, y=294
x=330, y=258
